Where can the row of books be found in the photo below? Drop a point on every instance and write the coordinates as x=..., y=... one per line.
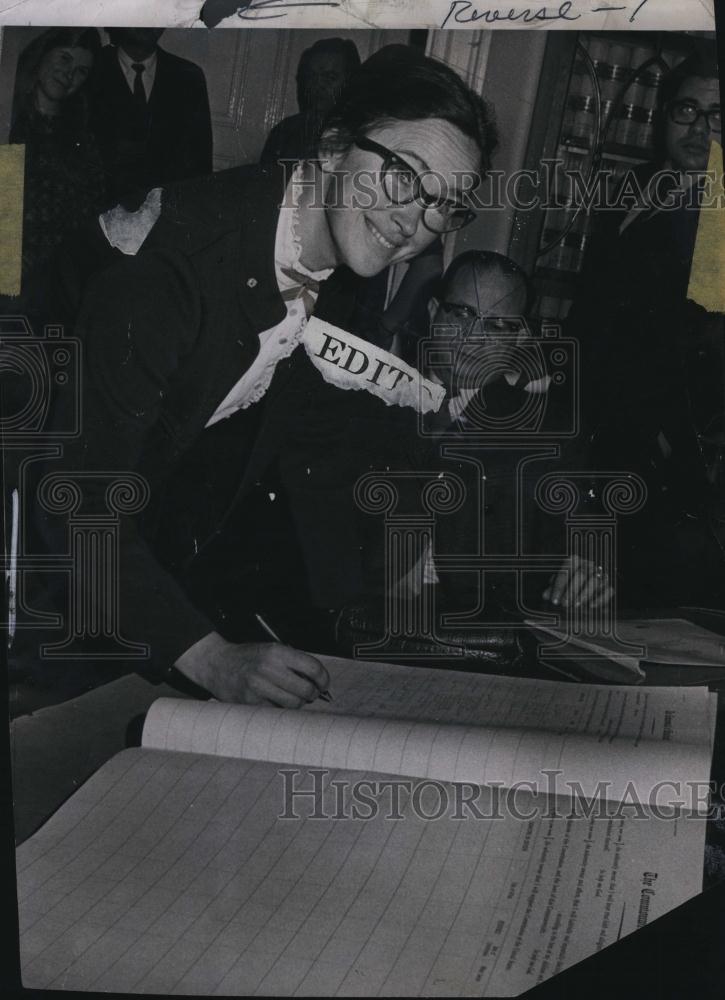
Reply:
x=618, y=122
x=628, y=101
x=567, y=221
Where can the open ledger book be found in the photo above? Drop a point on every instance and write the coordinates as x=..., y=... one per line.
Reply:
x=194, y=865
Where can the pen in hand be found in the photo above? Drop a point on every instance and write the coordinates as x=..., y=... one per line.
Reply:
x=325, y=695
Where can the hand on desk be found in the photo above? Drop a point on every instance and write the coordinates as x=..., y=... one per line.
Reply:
x=579, y=583
x=254, y=673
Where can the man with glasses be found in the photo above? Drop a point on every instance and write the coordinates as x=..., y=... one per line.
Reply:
x=496, y=382
x=693, y=119
x=482, y=304
x=653, y=358
x=195, y=377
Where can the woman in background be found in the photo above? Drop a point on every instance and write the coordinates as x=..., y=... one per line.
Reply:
x=63, y=173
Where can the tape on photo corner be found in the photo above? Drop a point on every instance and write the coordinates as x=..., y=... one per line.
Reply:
x=349, y=362
x=12, y=172
x=707, y=273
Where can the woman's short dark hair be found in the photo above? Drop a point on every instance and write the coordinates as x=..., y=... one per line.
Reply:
x=345, y=48
x=482, y=260
x=26, y=74
x=399, y=83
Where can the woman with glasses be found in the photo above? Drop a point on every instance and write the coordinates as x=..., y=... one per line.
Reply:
x=194, y=377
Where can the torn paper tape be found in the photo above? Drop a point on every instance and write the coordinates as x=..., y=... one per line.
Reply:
x=126, y=231
x=349, y=362
x=707, y=273
x=12, y=177
x=114, y=13
x=574, y=15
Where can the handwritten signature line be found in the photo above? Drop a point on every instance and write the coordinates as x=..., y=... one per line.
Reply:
x=465, y=12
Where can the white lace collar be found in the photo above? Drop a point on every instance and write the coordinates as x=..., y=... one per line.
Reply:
x=287, y=245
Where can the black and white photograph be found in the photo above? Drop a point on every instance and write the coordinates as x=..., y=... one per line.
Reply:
x=362, y=409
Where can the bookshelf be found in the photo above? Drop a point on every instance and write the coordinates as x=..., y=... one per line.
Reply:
x=606, y=86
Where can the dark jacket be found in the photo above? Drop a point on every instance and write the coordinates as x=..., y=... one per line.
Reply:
x=294, y=138
x=653, y=391
x=631, y=313
x=500, y=516
x=168, y=140
x=166, y=334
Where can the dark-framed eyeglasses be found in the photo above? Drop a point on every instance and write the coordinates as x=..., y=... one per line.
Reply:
x=403, y=185
x=457, y=314
x=684, y=112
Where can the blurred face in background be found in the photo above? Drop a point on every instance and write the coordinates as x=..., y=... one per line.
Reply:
x=481, y=317
x=687, y=132
x=326, y=77
x=62, y=72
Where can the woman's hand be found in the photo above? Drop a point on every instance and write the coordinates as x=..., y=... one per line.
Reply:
x=255, y=673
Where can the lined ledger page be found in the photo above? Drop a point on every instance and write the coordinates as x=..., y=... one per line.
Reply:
x=173, y=873
x=603, y=710
x=221, y=872
x=596, y=742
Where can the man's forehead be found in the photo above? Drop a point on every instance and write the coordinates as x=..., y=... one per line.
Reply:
x=488, y=289
x=705, y=90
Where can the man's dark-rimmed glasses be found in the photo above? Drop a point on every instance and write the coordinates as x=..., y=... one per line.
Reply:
x=685, y=112
x=464, y=318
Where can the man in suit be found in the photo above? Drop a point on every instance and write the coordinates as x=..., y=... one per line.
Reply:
x=494, y=432
x=322, y=73
x=633, y=286
x=653, y=381
x=194, y=376
x=150, y=114
x=498, y=388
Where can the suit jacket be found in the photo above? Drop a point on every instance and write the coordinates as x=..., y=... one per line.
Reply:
x=169, y=140
x=166, y=334
x=631, y=312
x=294, y=138
x=500, y=513
x=653, y=371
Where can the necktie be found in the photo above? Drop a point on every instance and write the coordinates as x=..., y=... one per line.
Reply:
x=306, y=288
x=139, y=92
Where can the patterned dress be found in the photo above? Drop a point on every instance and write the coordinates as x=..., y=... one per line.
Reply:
x=63, y=183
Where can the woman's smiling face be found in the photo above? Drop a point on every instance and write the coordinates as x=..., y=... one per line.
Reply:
x=368, y=231
x=62, y=72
